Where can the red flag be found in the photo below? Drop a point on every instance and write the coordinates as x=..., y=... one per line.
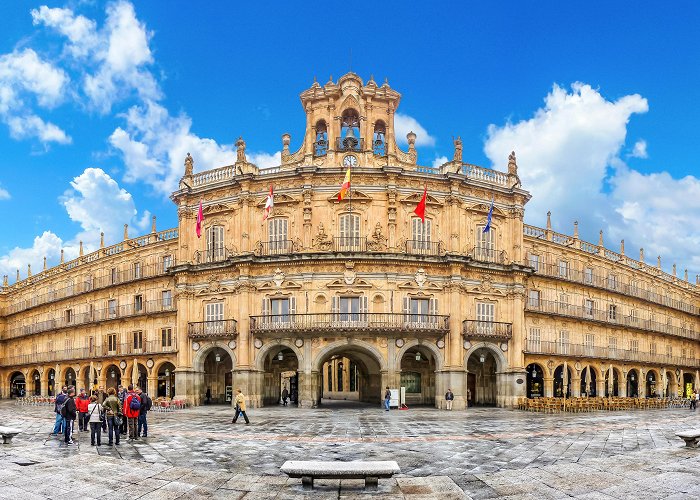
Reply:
x=200, y=219
x=420, y=209
x=269, y=204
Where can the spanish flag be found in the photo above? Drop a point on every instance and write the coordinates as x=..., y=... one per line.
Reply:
x=345, y=187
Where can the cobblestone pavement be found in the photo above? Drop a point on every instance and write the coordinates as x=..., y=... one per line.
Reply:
x=481, y=453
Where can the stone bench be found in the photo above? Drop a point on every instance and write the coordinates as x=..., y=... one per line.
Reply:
x=690, y=437
x=369, y=471
x=7, y=433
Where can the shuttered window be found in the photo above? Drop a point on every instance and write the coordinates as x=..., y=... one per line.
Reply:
x=277, y=234
x=350, y=231
x=214, y=317
x=215, y=243
x=350, y=308
x=280, y=310
x=420, y=234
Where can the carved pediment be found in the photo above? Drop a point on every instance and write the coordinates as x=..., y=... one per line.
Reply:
x=427, y=286
x=355, y=196
x=484, y=207
x=343, y=283
x=416, y=197
x=216, y=207
x=280, y=199
x=285, y=285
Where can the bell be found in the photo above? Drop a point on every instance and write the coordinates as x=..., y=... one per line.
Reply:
x=350, y=133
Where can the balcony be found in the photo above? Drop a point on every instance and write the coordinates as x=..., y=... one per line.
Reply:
x=602, y=316
x=350, y=144
x=419, y=247
x=321, y=147
x=614, y=354
x=331, y=324
x=279, y=247
x=224, y=328
x=481, y=254
x=125, y=349
x=217, y=254
x=352, y=244
x=494, y=330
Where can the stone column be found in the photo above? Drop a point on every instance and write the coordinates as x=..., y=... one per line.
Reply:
x=153, y=386
x=600, y=386
x=45, y=382
x=575, y=387
x=548, y=386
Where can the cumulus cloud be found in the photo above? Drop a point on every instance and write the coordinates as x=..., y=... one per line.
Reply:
x=403, y=124
x=32, y=126
x=4, y=194
x=47, y=245
x=440, y=160
x=640, y=149
x=569, y=158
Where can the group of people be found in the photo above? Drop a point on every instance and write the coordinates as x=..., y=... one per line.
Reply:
x=121, y=411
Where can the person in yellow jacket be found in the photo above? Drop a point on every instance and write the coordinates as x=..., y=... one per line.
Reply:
x=240, y=407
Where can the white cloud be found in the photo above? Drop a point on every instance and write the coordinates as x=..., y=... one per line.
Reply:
x=80, y=31
x=265, y=160
x=403, y=124
x=640, y=149
x=569, y=159
x=47, y=245
x=4, y=194
x=22, y=127
x=440, y=160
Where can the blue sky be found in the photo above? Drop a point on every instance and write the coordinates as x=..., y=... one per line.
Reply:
x=99, y=101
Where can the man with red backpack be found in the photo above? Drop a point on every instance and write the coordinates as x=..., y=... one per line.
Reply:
x=131, y=410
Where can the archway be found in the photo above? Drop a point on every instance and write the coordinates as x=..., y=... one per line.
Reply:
x=688, y=384
x=535, y=381
x=51, y=390
x=142, y=381
x=166, y=380
x=17, y=385
x=35, y=377
x=559, y=382
x=481, y=378
x=418, y=365
x=671, y=389
x=588, y=382
x=366, y=364
x=633, y=383
x=113, y=376
x=651, y=384
x=281, y=366
x=218, y=381
x=71, y=379
x=612, y=388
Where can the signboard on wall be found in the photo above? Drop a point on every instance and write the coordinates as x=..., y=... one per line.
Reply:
x=229, y=393
x=394, y=402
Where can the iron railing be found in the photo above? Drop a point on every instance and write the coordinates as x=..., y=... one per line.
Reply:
x=419, y=247
x=350, y=144
x=215, y=254
x=481, y=254
x=331, y=323
x=212, y=329
x=350, y=244
x=279, y=247
x=321, y=147
x=487, y=329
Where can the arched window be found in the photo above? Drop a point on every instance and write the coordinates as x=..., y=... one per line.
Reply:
x=349, y=139
x=215, y=244
x=379, y=139
x=321, y=142
x=349, y=233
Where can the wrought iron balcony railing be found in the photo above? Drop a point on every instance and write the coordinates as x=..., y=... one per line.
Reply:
x=481, y=254
x=330, y=323
x=487, y=329
x=212, y=329
x=215, y=254
x=321, y=147
x=279, y=247
x=350, y=144
x=350, y=244
x=419, y=247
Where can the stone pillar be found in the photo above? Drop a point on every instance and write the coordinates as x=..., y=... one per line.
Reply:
x=548, y=386
x=575, y=387
x=45, y=382
x=309, y=386
x=600, y=386
x=152, y=386
x=508, y=390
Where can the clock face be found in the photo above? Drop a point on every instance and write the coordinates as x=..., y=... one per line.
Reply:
x=350, y=161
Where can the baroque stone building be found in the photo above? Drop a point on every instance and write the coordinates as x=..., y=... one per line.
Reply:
x=334, y=298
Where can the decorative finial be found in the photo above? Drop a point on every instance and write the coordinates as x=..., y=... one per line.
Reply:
x=80, y=252
x=411, y=138
x=126, y=232
x=5, y=283
x=549, y=220
x=62, y=256
x=102, y=239
x=44, y=264
x=600, y=239
x=622, y=247
x=17, y=275
x=29, y=270
x=286, y=139
x=189, y=165
x=458, y=150
x=153, y=224
x=386, y=81
x=685, y=275
x=674, y=270
x=575, y=229
x=697, y=279
x=641, y=255
x=240, y=151
x=658, y=262
x=512, y=164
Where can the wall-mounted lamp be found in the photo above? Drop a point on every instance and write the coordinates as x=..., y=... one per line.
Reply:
x=418, y=356
x=51, y=375
x=36, y=376
x=113, y=374
x=340, y=365
x=280, y=356
x=217, y=357
x=167, y=372
x=482, y=358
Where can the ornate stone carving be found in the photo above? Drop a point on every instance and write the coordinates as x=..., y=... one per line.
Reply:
x=458, y=149
x=189, y=165
x=278, y=277
x=421, y=277
x=377, y=241
x=322, y=240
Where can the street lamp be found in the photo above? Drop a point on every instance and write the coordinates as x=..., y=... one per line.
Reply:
x=217, y=357
x=280, y=356
x=482, y=358
x=418, y=356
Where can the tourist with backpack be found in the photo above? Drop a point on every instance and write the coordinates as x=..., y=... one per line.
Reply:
x=132, y=407
x=113, y=415
x=69, y=412
x=95, y=417
x=58, y=403
x=146, y=404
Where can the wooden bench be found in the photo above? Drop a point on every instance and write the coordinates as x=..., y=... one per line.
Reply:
x=7, y=433
x=690, y=437
x=369, y=471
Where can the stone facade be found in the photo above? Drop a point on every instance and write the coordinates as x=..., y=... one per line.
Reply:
x=361, y=286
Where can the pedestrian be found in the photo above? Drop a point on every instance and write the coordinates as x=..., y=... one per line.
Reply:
x=58, y=403
x=101, y=395
x=240, y=407
x=95, y=418
x=121, y=394
x=694, y=400
x=449, y=397
x=146, y=404
x=113, y=415
x=69, y=412
x=131, y=408
x=82, y=402
x=469, y=398
x=387, y=398
x=285, y=395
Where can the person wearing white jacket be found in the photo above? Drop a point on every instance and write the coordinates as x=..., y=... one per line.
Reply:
x=94, y=414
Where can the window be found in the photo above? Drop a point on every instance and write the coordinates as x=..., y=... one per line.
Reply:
x=167, y=298
x=112, y=342
x=588, y=307
x=419, y=310
x=68, y=316
x=652, y=348
x=534, y=298
x=166, y=336
x=167, y=262
x=411, y=381
x=633, y=316
x=138, y=303
x=634, y=287
x=340, y=377
x=563, y=269
x=350, y=232
x=353, y=376
x=70, y=287
x=588, y=276
x=684, y=353
x=279, y=310
x=612, y=281
x=52, y=293
x=485, y=245
x=138, y=340
x=634, y=345
x=612, y=312
x=563, y=342
x=589, y=343
x=114, y=276
x=137, y=270
x=612, y=345
x=91, y=345
x=485, y=316
x=215, y=243
x=420, y=234
x=535, y=340
x=112, y=308
x=214, y=317
x=68, y=344
x=669, y=350
x=535, y=262
x=330, y=377
x=563, y=302
x=349, y=308
x=88, y=283
x=277, y=235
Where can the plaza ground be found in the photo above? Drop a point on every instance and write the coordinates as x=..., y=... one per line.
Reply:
x=480, y=453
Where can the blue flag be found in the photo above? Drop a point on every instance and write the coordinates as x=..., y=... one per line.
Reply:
x=487, y=227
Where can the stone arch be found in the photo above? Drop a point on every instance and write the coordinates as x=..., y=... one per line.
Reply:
x=340, y=345
x=160, y=362
x=263, y=352
x=203, y=352
x=501, y=361
x=439, y=357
